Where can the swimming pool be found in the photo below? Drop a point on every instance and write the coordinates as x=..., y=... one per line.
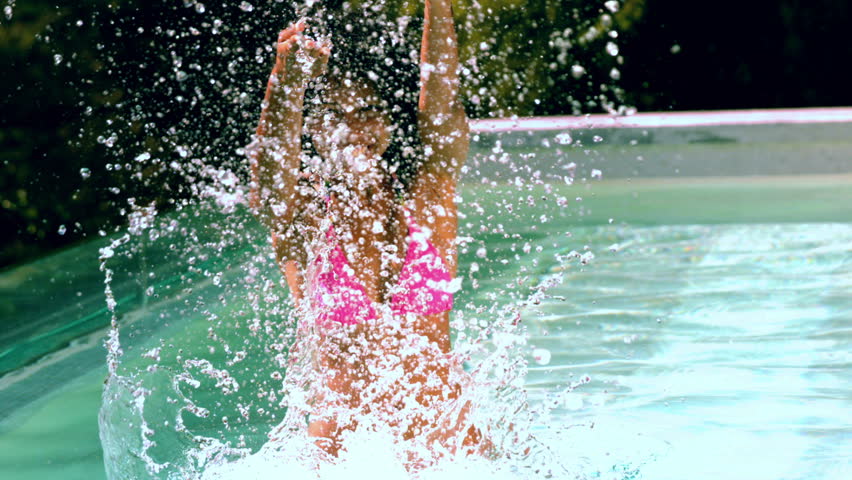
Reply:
x=712, y=314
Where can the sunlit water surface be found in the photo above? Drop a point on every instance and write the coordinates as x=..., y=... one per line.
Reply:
x=694, y=351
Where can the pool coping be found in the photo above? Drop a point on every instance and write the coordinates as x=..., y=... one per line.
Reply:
x=789, y=116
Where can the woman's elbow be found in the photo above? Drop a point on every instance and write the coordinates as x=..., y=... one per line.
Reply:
x=261, y=207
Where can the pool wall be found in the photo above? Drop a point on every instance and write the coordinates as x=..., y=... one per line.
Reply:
x=677, y=145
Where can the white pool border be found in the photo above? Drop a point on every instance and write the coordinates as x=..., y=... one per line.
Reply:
x=668, y=119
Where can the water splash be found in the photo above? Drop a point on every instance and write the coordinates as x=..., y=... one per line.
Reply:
x=204, y=376
x=8, y=9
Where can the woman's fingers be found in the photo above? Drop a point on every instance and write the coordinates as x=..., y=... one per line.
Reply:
x=314, y=48
x=318, y=52
x=288, y=38
x=292, y=30
x=288, y=48
x=291, y=41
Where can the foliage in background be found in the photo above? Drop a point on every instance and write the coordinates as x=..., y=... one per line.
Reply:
x=46, y=104
x=539, y=57
x=114, y=104
x=106, y=103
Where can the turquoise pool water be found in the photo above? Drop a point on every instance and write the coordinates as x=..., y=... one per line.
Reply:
x=714, y=322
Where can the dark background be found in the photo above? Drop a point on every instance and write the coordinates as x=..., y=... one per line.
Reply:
x=112, y=93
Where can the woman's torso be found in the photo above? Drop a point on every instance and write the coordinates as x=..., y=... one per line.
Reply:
x=371, y=229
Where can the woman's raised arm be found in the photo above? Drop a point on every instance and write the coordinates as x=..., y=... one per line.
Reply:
x=275, y=153
x=441, y=119
x=444, y=133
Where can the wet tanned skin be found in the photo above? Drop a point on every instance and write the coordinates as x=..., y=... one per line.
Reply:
x=351, y=118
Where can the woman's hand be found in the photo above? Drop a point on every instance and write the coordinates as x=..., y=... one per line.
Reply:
x=299, y=59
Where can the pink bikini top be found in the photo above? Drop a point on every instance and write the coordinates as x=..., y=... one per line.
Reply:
x=423, y=288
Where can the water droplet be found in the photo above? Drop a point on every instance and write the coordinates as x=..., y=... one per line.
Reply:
x=541, y=356
x=143, y=156
x=246, y=7
x=85, y=173
x=199, y=7
x=597, y=139
x=61, y=230
x=612, y=48
x=577, y=71
x=615, y=74
x=481, y=252
x=180, y=75
x=564, y=138
x=675, y=49
x=57, y=59
x=611, y=5
x=596, y=173
x=108, y=141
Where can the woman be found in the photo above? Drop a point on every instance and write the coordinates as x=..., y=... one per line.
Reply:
x=366, y=233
